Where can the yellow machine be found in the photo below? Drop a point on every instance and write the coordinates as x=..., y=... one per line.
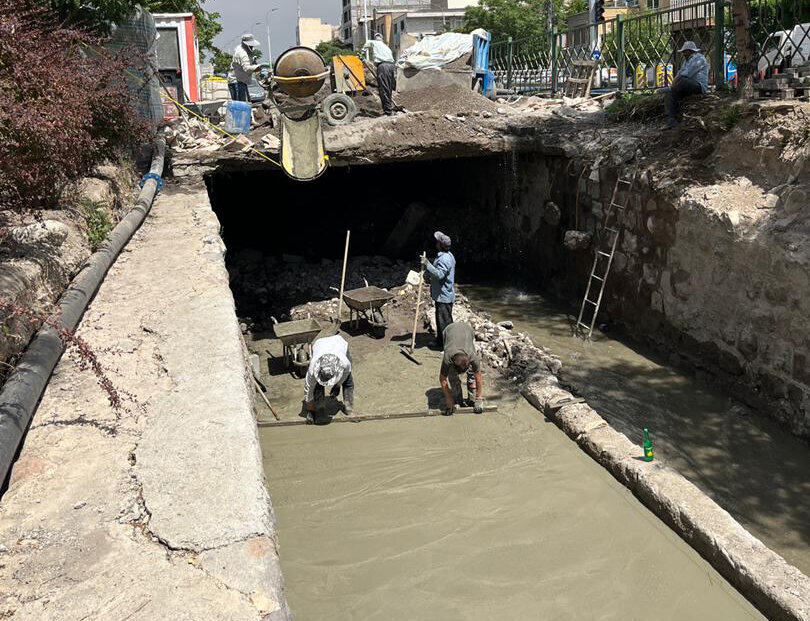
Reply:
x=347, y=74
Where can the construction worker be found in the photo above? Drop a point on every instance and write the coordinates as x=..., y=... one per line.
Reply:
x=692, y=79
x=380, y=55
x=243, y=65
x=329, y=368
x=460, y=357
x=442, y=280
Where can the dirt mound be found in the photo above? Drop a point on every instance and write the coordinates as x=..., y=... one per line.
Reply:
x=453, y=99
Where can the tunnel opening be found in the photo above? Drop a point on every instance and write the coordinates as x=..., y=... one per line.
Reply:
x=494, y=208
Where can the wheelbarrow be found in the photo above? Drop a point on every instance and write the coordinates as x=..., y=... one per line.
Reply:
x=368, y=303
x=296, y=338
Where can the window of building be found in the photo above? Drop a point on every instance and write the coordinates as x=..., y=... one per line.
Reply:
x=653, y=4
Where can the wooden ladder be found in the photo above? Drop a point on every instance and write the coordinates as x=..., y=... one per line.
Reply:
x=578, y=83
x=603, y=259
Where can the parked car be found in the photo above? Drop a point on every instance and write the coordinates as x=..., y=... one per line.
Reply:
x=256, y=92
x=785, y=48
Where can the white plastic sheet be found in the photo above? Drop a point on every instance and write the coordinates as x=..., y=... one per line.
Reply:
x=437, y=50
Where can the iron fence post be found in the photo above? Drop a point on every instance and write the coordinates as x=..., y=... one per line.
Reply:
x=621, y=66
x=719, y=42
x=554, y=66
x=509, y=64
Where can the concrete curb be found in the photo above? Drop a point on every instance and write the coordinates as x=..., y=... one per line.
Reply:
x=778, y=589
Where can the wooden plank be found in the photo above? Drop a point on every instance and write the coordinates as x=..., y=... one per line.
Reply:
x=359, y=418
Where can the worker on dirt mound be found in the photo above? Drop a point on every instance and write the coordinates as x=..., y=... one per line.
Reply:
x=381, y=56
x=460, y=357
x=692, y=79
x=442, y=283
x=329, y=368
x=243, y=65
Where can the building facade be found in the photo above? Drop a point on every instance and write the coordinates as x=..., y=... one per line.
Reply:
x=312, y=31
x=421, y=16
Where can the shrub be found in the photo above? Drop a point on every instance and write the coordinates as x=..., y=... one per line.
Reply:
x=98, y=221
x=62, y=110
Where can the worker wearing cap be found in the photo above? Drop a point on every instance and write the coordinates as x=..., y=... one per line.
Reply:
x=442, y=283
x=329, y=369
x=380, y=55
x=243, y=65
x=460, y=357
x=692, y=79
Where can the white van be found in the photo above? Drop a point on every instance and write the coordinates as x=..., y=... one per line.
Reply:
x=785, y=48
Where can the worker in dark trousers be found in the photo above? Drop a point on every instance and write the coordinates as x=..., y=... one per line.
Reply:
x=461, y=358
x=442, y=283
x=380, y=55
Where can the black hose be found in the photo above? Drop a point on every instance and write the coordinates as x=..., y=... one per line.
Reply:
x=20, y=395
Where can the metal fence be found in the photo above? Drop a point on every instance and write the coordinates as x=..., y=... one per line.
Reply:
x=639, y=51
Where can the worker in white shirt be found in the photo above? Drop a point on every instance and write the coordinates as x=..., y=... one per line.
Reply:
x=380, y=55
x=329, y=369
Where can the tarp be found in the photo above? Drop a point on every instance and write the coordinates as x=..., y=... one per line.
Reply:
x=437, y=50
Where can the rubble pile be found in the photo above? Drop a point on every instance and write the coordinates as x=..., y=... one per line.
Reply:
x=266, y=286
x=188, y=133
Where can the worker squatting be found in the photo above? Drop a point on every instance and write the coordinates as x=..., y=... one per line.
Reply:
x=330, y=368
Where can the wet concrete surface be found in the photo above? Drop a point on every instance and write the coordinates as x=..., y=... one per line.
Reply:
x=467, y=517
x=755, y=470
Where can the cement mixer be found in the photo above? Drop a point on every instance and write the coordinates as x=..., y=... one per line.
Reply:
x=296, y=88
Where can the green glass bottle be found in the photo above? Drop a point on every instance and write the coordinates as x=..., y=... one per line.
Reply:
x=648, y=446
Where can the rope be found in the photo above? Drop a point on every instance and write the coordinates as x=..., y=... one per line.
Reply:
x=145, y=82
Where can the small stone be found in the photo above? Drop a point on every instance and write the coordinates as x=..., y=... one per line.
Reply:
x=486, y=114
x=507, y=325
x=500, y=110
x=771, y=202
x=80, y=505
x=733, y=217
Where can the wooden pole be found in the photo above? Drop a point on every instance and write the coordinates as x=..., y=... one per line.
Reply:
x=343, y=278
x=358, y=418
x=418, y=303
x=266, y=400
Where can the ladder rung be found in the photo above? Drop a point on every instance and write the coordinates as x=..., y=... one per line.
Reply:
x=591, y=302
x=604, y=254
x=612, y=230
x=625, y=181
x=612, y=204
x=586, y=326
x=597, y=277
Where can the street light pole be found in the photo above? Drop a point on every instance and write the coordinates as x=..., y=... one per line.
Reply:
x=269, y=49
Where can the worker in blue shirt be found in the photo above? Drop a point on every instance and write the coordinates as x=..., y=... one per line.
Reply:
x=692, y=79
x=442, y=280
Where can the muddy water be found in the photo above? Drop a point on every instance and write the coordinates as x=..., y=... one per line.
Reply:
x=755, y=470
x=470, y=517
x=489, y=517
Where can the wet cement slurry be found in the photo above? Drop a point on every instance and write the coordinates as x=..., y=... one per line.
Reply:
x=468, y=517
x=749, y=465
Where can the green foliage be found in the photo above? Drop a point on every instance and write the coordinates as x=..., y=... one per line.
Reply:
x=221, y=61
x=98, y=221
x=646, y=42
x=98, y=14
x=634, y=105
x=335, y=47
x=519, y=19
x=574, y=7
x=731, y=116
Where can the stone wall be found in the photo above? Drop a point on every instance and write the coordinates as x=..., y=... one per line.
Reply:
x=722, y=291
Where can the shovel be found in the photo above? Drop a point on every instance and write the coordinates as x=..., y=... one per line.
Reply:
x=405, y=351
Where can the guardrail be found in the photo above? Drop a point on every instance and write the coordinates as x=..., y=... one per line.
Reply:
x=639, y=50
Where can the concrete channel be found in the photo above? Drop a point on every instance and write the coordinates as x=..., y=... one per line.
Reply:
x=348, y=496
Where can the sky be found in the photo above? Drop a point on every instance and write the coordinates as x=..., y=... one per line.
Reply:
x=241, y=16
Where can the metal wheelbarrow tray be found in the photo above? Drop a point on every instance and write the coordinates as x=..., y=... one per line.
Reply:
x=293, y=333
x=364, y=302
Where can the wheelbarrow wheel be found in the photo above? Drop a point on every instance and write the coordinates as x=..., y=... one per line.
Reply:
x=339, y=109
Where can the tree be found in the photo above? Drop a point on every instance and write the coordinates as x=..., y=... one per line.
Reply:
x=647, y=42
x=742, y=34
x=97, y=15
x=221, y=60
x=519, y=19
x=335, y=47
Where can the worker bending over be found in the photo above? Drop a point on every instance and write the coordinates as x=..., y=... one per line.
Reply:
x=243, y=65
x=460, y=357
x=329, y=369
x=380, y=55
x=692, y=79
x=442, y=280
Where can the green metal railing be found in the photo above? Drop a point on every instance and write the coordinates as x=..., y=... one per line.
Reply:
x=639, y=51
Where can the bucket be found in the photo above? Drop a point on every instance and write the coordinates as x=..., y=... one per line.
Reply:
x=237, y=117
